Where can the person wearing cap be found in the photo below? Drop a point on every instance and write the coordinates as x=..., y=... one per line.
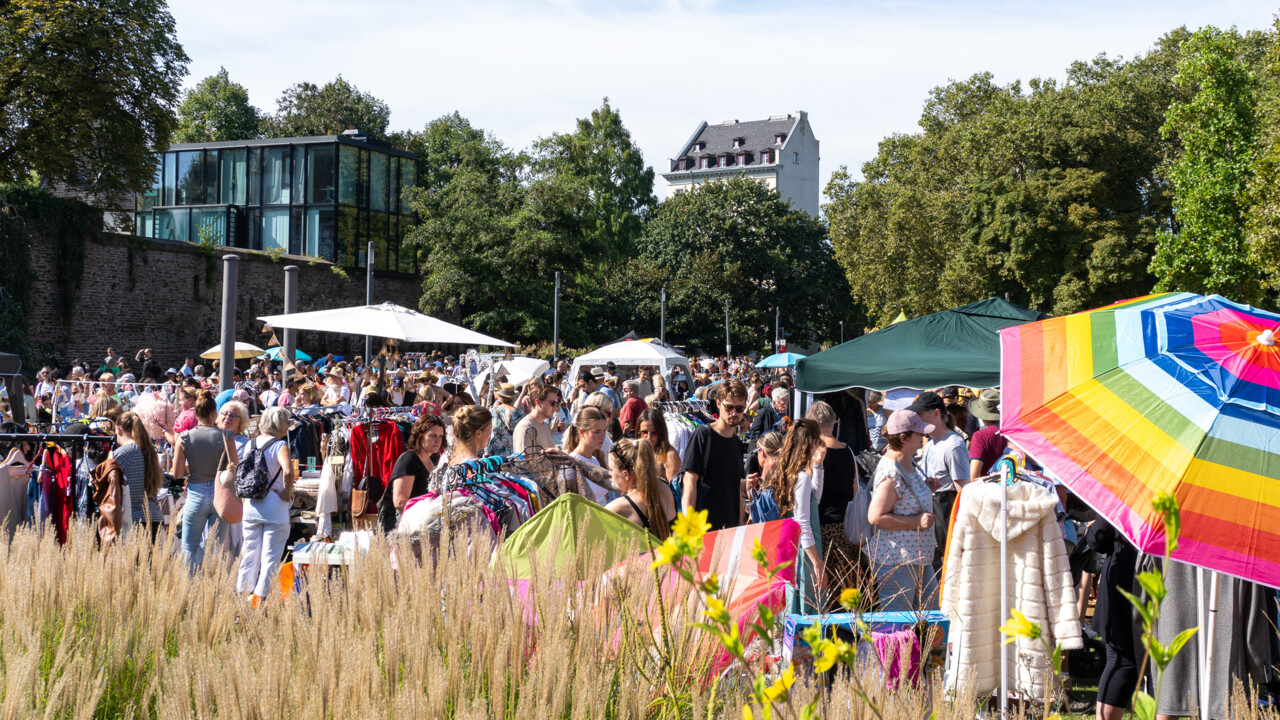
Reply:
x=602, y=378
x=946, y=463
x=506, y=416
x=902, y=547
x=987, y=444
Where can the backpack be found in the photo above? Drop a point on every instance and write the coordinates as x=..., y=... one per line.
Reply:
x=762, y=507
x=857, y=528
x=252, y=480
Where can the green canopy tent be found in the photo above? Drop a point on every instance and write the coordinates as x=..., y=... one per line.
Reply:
x=960, y=346
x=563, y=536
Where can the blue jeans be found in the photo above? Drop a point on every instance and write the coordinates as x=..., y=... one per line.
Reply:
x=198, y=515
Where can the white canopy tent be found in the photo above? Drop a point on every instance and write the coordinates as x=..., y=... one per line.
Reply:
x=633, y=353
x=387, y=320
x=518, y=370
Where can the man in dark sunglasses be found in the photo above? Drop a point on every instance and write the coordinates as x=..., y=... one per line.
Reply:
x=535, y=428
x=713, y=468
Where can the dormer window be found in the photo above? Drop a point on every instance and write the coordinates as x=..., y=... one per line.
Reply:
x=766, y=157
x=699, y=146
x=739, y=142
x=743, y=158
x=779, y=138
x=706, y=161
x=726, y=159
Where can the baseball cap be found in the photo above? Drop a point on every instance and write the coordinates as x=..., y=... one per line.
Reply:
x=171, y=371
x=927, y=400
x=951, y=391
x=906, y=420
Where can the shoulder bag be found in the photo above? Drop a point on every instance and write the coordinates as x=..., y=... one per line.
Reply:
x=229, y=507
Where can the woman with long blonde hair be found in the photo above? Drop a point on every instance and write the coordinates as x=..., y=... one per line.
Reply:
x=796, y=482
x=646, y=500
x=137, y=458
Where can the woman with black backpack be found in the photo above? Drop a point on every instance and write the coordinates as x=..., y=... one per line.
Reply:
x=266, y=518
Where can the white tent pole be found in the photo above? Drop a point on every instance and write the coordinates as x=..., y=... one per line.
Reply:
x=1206, y=678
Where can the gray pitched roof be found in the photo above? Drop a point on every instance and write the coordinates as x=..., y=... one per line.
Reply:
x=757, y=135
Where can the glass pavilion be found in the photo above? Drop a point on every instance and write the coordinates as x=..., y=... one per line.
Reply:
x=322, y=197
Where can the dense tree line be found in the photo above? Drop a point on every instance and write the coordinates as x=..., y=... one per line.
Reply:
x=1160, y=172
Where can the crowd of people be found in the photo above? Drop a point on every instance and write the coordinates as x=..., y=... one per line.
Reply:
x=749, y=444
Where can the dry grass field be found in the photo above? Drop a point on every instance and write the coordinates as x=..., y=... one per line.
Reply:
x=128, y=634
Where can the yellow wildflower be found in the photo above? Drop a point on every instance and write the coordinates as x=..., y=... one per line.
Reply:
x=758, y=553
x=667, y=552
x=825, y=658
x=691, y=526
x=711, y=585
x=716, y=610
x=1019, y=626
x=778, y=690
x=850, y=598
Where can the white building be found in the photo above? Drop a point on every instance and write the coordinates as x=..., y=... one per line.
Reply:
x=781, y=152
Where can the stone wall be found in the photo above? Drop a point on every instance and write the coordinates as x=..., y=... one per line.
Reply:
x=164, y=298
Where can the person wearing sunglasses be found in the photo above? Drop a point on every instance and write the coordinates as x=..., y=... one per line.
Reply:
x=713, y=468
x=535, y=428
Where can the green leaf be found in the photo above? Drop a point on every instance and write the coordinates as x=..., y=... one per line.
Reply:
x=1144, y=706
x=1176, y=646
x=1148, y=616
x=1153, y=583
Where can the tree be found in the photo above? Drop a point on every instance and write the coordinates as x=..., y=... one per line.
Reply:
x=87, y=90
x=1051, y=194
x=305, y=109
x=738, y=240
x=490, y=237
x=1219, y=130
x=620, y=185
x=217, y=109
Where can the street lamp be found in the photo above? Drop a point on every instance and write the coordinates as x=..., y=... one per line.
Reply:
x=841, y=332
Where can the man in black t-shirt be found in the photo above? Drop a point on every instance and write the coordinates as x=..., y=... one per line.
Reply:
x=713, y=470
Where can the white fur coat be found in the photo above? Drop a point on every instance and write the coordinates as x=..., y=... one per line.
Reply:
x=1039, y=585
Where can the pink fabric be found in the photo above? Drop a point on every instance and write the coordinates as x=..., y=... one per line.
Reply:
x=185, y=421
x=889, y=648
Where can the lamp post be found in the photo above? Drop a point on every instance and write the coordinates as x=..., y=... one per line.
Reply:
x=368, y=300
x=841, y=332
x=228, y=352
x=662, y=322
x=290, y=336
x=555, y=325
x=728, y=348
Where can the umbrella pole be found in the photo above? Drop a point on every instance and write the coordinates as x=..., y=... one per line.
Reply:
x=1206, y=680
x=1004, y=587
x=1200, y=622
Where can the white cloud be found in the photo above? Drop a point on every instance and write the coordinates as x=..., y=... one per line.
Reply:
x=526, y=69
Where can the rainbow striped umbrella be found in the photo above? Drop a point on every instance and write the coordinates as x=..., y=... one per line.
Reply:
x=1174, y=393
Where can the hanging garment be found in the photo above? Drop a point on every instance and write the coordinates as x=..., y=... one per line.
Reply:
x=57, y=490
x=385, y=450
x=1038, y=584
x=899, y=654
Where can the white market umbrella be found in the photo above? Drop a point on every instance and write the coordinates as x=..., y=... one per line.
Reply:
x=387, y=320
x=243, y=350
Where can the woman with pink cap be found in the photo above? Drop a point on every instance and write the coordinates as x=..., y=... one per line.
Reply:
x=902, y=546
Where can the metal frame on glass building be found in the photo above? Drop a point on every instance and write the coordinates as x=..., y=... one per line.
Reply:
x=323, y=197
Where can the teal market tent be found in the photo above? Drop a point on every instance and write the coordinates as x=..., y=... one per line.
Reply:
x=960, y=346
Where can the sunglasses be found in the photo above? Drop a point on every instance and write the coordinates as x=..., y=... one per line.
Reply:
x=733, y=408
x=553, y=403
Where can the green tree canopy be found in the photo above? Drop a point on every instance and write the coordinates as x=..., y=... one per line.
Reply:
x=217, y=109
x=305, y=109
x=735, y=239
x=601, y=153
x=1051, y=194
x=87, y=90
x=490, y=237
x=1218, y=127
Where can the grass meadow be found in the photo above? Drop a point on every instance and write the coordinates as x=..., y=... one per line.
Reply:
x=129, y=634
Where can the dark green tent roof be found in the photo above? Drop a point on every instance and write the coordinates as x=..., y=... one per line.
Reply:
x=960, y=346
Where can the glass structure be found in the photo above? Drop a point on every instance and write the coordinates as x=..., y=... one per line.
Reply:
x=323, y=197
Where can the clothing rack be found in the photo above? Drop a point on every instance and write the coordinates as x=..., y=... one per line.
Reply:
x=678, y=405
x=381, y=413
x=57, y=438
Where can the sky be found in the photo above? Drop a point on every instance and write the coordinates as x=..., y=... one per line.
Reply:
x=524, y=70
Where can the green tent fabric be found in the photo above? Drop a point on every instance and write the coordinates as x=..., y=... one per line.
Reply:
x=960, y=346
x=552, y=538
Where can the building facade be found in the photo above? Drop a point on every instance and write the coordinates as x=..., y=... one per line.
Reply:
x=780, y=152
x=323, y=197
